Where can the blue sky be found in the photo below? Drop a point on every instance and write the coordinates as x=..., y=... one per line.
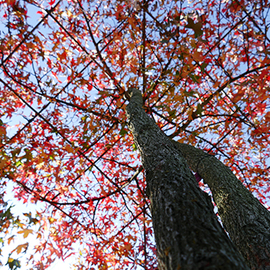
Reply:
x=19, y=208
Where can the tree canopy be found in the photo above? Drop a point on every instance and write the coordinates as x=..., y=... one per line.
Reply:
x=203, y=69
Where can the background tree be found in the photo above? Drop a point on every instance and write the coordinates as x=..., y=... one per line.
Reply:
x=203, y=69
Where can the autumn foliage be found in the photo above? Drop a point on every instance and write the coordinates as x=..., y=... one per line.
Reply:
x=203, y=68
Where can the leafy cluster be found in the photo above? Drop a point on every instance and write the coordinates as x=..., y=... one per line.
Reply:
x=203, y=68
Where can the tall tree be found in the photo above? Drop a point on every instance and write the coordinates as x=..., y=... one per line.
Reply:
x=201, y=74
x=187, y=232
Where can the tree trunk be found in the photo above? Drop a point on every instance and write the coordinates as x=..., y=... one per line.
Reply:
x=246, y=220
x=187, y=233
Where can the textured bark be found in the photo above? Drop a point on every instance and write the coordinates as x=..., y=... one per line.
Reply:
x=246, y=220
x=187, y=233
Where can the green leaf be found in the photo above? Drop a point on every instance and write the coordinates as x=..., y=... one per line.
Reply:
x=134, y=146
x=199, y=109
x=123, y=131
x=31, y=219
x=195, y=78
x=18, y=163
x=203, y=66
x=189, y=94
x=172, y=113
x=7, y=214
x=164, y=41
x=13, y=263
